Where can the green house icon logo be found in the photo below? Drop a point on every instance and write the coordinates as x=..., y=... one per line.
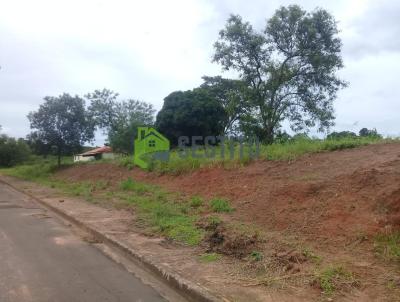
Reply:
x=152, y=143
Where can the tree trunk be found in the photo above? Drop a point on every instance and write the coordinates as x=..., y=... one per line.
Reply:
x=59, y=157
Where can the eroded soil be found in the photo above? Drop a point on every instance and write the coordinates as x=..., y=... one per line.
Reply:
x=333, y=203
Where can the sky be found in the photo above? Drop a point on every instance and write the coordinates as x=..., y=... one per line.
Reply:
x=148, y=49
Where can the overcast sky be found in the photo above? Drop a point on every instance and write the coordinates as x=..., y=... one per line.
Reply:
x=147, y=49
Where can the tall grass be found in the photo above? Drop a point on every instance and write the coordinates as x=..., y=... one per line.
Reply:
x=277, y=151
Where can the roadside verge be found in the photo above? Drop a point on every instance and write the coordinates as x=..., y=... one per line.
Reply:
x=96, y=226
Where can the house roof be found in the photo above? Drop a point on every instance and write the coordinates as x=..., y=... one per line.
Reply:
x=104, y=149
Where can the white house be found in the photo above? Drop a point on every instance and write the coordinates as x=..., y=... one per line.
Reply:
x=98, y=153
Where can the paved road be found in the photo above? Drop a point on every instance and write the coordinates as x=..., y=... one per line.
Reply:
x=42, y=260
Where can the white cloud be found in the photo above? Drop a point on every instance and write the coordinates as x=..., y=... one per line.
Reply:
x=147, y=49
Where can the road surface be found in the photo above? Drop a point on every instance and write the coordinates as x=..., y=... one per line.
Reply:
x=42, y=260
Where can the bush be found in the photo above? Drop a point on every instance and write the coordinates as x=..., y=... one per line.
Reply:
x=220, y=205
x=12, y=151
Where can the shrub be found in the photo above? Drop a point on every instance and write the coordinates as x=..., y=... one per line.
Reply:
x=12, y=151
x=220, y=205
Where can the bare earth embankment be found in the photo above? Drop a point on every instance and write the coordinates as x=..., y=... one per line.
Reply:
x=317, y=220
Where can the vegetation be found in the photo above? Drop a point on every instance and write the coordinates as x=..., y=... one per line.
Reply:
x=209, y=257
x=335, y=278
x=190, y=113
x=290, y=150
x=388, y=246
x=12, y=151
x=119, y=119
x=220, y=205
x=289, y=69
x=64, y=123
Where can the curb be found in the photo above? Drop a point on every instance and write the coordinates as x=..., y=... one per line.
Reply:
x=186, y=288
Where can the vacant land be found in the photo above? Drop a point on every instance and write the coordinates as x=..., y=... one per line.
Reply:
x=322, y=225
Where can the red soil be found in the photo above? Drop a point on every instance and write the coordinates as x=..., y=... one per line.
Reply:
x=326, y=195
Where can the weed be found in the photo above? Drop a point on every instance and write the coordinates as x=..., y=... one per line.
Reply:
x=309, y=254
x=256, y=256
x=196, y=202
x=388, y=245
x=220, y=205
x=210, y=257
x=335, y=278
x=137, y=187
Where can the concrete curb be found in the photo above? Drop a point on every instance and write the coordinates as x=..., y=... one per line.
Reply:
x=186, y=288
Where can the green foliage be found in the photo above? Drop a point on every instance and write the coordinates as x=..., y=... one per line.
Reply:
x=119, y=119
x=196, y=202
x=364, y=132
x=256, y=256
x=388, y=246
x=342, y=134
x=220, y=205
x=289, y=68
x=333, y=278
x=165, y=216
x=137, y=187
x=231, y=95
x=209, y=257
x=190, y=113
x=126, y=161
x=12, y=151
x=62, y=122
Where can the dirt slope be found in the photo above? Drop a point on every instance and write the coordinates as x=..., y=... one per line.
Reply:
x=332, y=202
x=339, y=193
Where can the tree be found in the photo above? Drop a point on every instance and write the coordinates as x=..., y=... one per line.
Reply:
x=119, y=119
x=231, y=94
x=190, y=113
x=63, y=122
x=12, y=151
x=289, y=68
x=341, y=134
x=37, y=145
x=365, y=132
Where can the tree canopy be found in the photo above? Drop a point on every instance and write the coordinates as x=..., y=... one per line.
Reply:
x=119, y=119
x=190, y=113
x=62, y=122
x=289, y=68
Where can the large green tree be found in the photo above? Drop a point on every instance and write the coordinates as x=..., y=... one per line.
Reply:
x=289, y=67
x=231, y=95
x=190, y=113
x=119, y=119
x=63, y=122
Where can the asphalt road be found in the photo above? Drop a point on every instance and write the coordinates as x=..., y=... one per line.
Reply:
x=42, y=260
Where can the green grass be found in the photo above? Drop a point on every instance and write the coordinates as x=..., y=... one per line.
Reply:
x=388, y=246
x=166, y=216
x=196, y=202
x=277, y=151
x=335, y=278
x=209, y=257
x=220, y=205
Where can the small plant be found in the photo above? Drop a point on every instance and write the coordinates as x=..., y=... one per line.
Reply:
x=335, y=278
x=210, y=257
x=309, y=254
x=220, y=205
x=196, y=202
x=388, y=245
x=131, y=185
x=256, y=256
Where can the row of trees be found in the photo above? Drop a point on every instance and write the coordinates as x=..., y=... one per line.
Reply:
x=286, y=72
x=12, y=151
x=62, y=125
